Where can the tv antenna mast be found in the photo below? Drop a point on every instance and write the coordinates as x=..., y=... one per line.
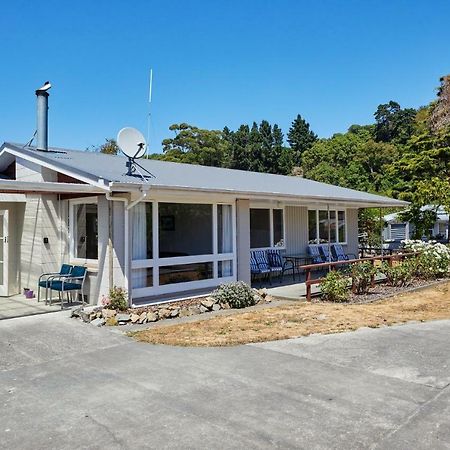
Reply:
x=149, y=115
x=133, y=145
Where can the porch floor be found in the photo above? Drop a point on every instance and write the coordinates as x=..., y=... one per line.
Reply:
x=288, y=289
x=19, y=306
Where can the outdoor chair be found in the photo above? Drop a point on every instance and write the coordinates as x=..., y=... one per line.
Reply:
x=259, y=265
x=325, y=251
x=45, y=279
x=339, y=253
x=277, y=264
x=67, y=284
x=316, y=255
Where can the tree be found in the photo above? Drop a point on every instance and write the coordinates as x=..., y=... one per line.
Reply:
x=300, y=138
x=440, y=110
x=195, y=146
x=110, y=147
x=394, y=124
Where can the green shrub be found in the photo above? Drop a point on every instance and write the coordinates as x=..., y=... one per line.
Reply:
x=237, y=295
x=117, y=299
x=362, y=274
x=334, y=287
x=400, y=275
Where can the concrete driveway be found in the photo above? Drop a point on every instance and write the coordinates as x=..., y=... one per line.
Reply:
x=67, y=385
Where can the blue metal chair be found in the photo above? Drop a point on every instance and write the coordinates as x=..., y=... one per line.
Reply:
x=316, y=255
x=70, y=283
x=277, y=264
x=327, y=256
x=340, y=254
x=259, y=264
x=45, y=279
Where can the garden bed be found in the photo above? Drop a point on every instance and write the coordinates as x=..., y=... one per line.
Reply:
x=302, y=319
x=383, y=291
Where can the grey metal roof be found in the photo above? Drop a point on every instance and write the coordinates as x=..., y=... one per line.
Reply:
x=194, y=177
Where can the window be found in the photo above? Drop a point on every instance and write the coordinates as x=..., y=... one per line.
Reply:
x=324, y=226
x=183, y=273
x=185, y=229
x=142, y=231
x=259, y=228
x=266, y=227
x=84, y=230
x=224, y=229
x=177, y=243
x=278, y=228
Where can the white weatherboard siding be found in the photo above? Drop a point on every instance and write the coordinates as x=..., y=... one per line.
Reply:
x=296, y=239
x=352, y=231
x=243, y=240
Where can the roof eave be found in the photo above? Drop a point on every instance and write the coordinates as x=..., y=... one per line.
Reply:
x=253, y=195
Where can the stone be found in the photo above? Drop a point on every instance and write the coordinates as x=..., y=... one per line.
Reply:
x=106, y=313
x=203, y=309
x=76, y=312
x=123, y=318
x=92, y=316
x=225, y=305
x=143, y=317
x=111, y=322
x=185, y=312
x=152, y=316
x=175, y=312
x=207, y=303
x=99, y=314
x=195, y=310
x=321, y=317
x=164, y=313
x=84, y=316
x=134, y=318
x=98, y=322
x=216, y=307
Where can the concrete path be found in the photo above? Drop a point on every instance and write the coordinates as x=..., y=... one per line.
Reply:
x=19, y=306
x=68, y=385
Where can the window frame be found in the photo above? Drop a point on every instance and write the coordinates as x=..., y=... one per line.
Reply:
x=271, y=208
x=72, y=203
x=156, y=262
x=336, y=211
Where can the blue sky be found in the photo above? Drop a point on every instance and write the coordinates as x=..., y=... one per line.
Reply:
x=215, y=63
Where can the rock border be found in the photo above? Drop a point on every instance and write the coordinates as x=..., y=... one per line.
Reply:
x=101, y=316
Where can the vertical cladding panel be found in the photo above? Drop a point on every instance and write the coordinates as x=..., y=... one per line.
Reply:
x=118, y=235
x=31, y=248
x=243, y=240
x=101, y=285
x=51, y=229
x=296, y=238
x=352, y=231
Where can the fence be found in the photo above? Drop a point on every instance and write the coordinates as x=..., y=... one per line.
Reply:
x=308, y=268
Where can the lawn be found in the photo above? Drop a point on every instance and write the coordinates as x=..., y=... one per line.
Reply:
x=302, y=319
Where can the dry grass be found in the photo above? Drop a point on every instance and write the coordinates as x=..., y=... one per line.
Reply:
x=302, y=319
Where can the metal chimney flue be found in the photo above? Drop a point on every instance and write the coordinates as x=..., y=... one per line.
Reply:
x=42, y=117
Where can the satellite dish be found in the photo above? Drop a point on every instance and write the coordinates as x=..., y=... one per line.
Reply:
x=131, y=142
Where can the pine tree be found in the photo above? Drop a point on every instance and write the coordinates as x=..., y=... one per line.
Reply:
x=300, y=138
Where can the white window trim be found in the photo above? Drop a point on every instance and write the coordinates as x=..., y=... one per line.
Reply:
x=336, y=210
x=158, y=262
x=271, y=208
x=72, y=203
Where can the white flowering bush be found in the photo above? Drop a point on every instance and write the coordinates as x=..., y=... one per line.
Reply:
x=433, y=259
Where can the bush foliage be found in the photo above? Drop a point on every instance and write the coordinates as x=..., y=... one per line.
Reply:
x=117, y=299
x=237, y=295
x=334, y=288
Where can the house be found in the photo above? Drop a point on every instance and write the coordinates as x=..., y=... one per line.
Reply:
x=396, y=229
x=183, y=230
